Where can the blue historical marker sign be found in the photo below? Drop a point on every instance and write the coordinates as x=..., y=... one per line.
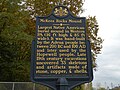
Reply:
x=61, y=49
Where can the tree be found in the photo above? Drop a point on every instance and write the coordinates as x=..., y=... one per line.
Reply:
x=14, y=41
x=42, y=8
x=96, y=41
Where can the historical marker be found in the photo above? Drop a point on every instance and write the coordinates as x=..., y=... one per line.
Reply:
x=61, y=49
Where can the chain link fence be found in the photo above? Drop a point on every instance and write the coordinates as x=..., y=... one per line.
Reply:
x=22, y=86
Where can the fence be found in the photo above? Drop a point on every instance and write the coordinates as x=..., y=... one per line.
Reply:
x=22, y=86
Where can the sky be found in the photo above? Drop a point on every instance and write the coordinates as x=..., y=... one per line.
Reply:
x=107, y=13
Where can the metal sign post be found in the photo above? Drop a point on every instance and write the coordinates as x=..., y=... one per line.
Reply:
x=62, y=84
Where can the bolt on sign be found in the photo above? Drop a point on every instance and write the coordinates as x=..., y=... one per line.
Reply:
x=61, y=49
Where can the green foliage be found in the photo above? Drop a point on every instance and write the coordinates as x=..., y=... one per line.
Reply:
x=15, y=42
x=6, y=86
x=39, y=87
x=23, y=86
x=101, y=88
x=2, y=87
x=81, y=87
